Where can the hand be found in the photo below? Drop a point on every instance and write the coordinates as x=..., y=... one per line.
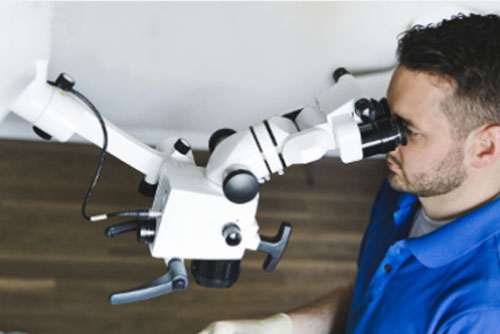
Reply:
x=277, y=324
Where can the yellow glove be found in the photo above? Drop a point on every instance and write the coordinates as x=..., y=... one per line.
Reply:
x=277, y=324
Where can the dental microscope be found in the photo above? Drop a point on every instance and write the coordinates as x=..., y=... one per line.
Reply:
x=206, y=214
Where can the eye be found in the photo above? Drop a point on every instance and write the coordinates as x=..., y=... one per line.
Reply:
x=408, y=129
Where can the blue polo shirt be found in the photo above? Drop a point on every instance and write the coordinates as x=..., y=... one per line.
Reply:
x=447, y=281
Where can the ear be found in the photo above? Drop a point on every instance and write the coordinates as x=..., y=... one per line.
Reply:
x=485, y=146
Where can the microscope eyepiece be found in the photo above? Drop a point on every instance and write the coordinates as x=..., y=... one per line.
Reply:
x=372, y=110
x=382, y=136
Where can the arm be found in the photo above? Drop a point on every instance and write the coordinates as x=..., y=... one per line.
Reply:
x=325, y=315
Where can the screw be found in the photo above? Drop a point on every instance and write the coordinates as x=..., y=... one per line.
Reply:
x=179, y=284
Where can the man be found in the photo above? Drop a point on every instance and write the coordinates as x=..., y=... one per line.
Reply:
x=430, y=258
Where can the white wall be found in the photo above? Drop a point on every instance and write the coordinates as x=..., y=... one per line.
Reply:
x=182, y=68
x=25, y=37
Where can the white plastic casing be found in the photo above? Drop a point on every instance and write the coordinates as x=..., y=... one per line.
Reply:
x=34, y=99
x=237, y=150
x=61, y=115
x=330, y=124
x=346, y=133
x=310, y=145
x=195, y=212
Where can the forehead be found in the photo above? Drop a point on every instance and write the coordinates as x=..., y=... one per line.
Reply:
x=417, y=95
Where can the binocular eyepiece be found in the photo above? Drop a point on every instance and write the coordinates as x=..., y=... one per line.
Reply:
x=380, y=131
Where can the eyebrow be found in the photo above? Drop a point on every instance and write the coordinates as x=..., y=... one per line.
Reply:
x=405, y=120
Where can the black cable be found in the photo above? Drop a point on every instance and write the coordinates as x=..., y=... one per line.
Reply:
x=142, y=213
x=103, y=151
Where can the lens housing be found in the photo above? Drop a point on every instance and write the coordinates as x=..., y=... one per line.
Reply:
x=215, y=274
x=382, y=136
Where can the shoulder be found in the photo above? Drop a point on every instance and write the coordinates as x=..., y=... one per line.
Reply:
x=486, y=320
x=472, y=298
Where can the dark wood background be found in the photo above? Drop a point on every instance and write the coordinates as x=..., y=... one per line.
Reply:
x=57, y=269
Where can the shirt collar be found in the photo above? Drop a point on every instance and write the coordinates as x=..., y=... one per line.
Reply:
x=453, y=240
x=405, y=208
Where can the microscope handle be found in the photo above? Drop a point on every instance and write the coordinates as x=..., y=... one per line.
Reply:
x=129, y=226
x=174, y=280
x=275, y=246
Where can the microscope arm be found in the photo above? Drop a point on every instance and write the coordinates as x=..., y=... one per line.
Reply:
x=59, y=114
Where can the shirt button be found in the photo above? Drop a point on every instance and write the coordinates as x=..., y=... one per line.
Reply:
x=387, y=268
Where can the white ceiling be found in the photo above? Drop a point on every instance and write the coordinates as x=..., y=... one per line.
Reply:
x=158, y=69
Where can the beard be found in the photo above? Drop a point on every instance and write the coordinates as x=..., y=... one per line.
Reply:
x=443, y=177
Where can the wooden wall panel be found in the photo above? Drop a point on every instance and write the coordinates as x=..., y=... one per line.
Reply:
x=57, y=270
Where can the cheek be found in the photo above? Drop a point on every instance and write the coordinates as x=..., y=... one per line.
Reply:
x=409, y=156
x=419, y=157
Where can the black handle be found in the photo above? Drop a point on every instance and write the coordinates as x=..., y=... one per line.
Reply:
x=275, y=246
x=174, y=280
x=129, y=226
x=145, y=229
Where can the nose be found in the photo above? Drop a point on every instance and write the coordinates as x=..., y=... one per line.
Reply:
x=396, y=152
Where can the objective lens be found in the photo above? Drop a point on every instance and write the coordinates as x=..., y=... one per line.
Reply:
x=215, y=274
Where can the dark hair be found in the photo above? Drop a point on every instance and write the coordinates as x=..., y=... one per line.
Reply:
x=466, y=51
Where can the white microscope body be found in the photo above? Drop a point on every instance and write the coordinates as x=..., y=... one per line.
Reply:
x=207, y=214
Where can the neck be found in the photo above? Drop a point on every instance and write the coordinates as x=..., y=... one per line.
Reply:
x=458, y=202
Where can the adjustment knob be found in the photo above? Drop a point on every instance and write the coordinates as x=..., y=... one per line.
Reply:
x=240, y=186
x=42, y=134
x=147, y=189
x=146, y=232
x=231, y=233
x=182, y=146
x=339, y=72
x=65, y=82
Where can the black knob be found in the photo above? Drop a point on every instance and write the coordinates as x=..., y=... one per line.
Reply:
x=147, y=189
x=231, y=233
x=182, y=146
x=240, y=186
x=42, y=134
x=65, y=82
x=363, y=108
x=218, y=136
x=339, y=72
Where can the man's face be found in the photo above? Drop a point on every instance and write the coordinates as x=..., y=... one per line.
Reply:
x=431, y=163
